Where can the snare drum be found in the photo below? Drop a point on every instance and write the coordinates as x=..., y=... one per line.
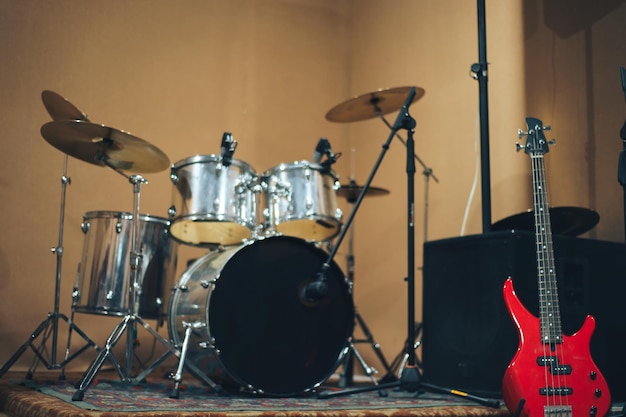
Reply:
x=212, y=204
x=251, y=329
x=301, y=201
x=104, y=279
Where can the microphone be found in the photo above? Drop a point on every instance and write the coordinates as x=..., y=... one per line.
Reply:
x=322, y=148
x=228, y=148
x=314, y=291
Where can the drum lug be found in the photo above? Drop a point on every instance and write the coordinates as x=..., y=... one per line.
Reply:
x=307, y=174
x=216, y=204
x=209, y=345
x=174, y=177
x=84, y=226
x=172, y=212
x=206, y=284
x=336, y=185
x=118, y=227
x=338, y=214
x=183, y=288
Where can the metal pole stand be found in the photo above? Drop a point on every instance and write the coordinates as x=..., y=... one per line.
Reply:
x=50, y=326
x=129, y=322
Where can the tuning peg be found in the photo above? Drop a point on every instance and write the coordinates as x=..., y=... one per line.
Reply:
x=521, y=133
x=547, y=127
x=518, y=147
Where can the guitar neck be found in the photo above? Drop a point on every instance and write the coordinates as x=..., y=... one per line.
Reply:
x=549, y=312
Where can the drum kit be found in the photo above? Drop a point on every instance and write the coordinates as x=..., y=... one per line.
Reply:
x=266, y=310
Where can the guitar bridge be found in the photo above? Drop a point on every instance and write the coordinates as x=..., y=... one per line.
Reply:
x=557, y=411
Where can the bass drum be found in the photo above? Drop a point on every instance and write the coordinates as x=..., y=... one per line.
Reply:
x=252, y=330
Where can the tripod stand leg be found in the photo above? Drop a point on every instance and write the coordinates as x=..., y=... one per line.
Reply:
x=106, y=352
x=44, y=327
x=370, y=339
x=345, y=378
x=178, y=376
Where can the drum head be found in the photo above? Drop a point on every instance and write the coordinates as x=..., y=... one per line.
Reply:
x=268, y=338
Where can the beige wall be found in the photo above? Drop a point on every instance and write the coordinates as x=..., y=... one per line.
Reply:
x=179, y=74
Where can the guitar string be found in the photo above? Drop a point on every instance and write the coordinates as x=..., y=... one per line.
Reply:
x=550, y=316
x=541, y=284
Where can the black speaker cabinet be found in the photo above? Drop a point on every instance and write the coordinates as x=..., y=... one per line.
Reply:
x=468, y=336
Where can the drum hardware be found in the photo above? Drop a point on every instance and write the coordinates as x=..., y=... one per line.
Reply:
x=359, y=109
x=350, y=192
x=178, y=376
x=108, y=147
x=401, y=359
x=59, y=109
x=129, y=322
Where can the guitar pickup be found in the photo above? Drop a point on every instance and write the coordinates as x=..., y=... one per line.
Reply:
x=556, y=391
x=555, y=367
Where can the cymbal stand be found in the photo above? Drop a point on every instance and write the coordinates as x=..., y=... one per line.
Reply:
x=129, y=323
x=410, y=378
x=346, y=376
x=50, y=326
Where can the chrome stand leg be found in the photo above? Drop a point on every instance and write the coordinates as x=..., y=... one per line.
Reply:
x=178, y=377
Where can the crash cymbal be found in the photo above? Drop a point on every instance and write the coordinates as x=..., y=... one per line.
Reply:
x=60, y=108
x=103, y=145
x=373, y=104
x=352, y=191
x=568, y=221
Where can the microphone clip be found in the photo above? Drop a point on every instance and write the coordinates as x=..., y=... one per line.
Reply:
x=229, y=144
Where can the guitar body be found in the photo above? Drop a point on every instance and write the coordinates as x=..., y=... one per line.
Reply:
x=584, y=389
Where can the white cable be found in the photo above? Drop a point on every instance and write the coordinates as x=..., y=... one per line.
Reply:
x=476, y=172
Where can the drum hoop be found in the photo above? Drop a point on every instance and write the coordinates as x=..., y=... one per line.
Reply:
x=123, y=215
x=211, y=158
x=287, y=166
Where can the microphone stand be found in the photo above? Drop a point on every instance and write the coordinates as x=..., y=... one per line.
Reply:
x=410, y=378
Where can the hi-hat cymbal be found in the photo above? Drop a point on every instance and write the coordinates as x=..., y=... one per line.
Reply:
x=373, y=104
x=568, y=221
x=103, y=145
x=59, y=108
x=352, y=191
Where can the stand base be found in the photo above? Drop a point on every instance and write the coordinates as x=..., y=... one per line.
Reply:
x=48, y=327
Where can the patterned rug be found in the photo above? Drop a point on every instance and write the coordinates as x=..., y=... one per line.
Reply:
x=112, y=398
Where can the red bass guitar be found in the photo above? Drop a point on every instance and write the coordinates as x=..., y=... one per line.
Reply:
x=551, y=374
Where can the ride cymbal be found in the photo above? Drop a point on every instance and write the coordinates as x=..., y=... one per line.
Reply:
x=352, y=191
x=567, y=221
x=373, y=104
x=59, y=108
x=103, y=145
